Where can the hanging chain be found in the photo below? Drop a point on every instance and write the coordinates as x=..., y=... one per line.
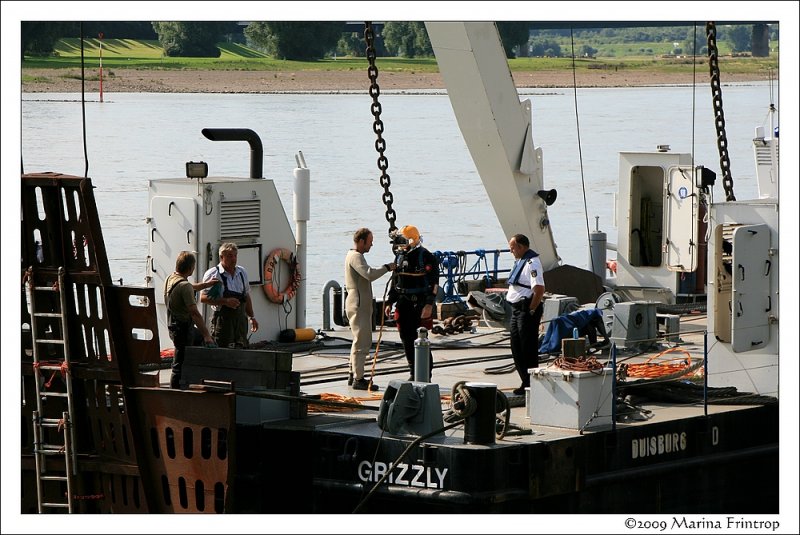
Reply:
x=719, y=115
x=377, y=126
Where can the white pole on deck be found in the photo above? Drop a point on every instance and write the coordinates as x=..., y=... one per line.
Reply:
x=302, y=213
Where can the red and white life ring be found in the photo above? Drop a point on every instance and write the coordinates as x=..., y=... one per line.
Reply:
x=271, y=262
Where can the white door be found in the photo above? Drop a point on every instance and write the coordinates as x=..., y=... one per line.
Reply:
x=680, y=220
x=173, y=228
x=751, y=288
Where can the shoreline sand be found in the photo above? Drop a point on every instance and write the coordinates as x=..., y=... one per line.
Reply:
x=204, y=81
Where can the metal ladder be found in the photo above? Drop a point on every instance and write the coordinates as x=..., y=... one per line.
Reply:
x=64, y=425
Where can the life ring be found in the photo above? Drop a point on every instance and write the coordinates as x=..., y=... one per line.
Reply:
x=275, y=256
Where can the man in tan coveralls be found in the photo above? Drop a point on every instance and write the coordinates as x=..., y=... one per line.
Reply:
x=358, y=277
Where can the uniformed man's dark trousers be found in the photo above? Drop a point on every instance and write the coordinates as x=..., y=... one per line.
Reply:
x=525, y=338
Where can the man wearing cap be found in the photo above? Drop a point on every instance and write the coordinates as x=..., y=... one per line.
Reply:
x=525, y=293
x=413, y=290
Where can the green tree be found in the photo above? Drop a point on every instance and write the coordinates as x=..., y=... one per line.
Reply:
x=258, y=36
x=545, y=47
x=39, y=38
x=696, y=42
x=351, y=44
x=115, y=29
x=513, y=34
x=190, y=39
x=295, y=40
x=406, y=39
x=739, y=37
x=410, y=39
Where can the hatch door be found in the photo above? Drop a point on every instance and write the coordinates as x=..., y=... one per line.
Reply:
x=173, y=228
x=751, y=301
x=680, y=219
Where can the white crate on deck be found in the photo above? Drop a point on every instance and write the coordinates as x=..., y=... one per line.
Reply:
x=571, y=399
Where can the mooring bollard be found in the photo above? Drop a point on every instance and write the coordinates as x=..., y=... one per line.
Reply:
x=479, y=427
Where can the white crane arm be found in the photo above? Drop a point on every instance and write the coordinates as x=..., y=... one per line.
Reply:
x=496, y=127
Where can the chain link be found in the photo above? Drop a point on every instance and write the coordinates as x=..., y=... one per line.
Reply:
x=377, y=127
x=719, y=115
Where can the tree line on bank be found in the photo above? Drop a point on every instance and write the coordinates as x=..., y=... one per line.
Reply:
x=316, y=40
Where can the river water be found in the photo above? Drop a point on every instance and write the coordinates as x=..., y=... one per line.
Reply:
x=132, y=138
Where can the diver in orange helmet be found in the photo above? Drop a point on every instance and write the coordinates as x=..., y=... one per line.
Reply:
x=413, y=289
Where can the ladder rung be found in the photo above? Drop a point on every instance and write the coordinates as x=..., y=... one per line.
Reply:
x=51, y=452
x=59, y=505
x=49, y=341
x=53, y=478
x=53, y=367
x=45, y=288
x=54, y=394
x=52, y=447
x=48, y=315
x=50, y=422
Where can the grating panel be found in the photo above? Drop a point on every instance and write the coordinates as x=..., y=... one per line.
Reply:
x=240, y=219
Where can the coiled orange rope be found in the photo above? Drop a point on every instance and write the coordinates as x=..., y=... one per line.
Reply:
x=649, y=369
x=326, y=396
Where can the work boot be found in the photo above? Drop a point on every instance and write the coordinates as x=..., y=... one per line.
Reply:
x=350, y=379
x=363, y=384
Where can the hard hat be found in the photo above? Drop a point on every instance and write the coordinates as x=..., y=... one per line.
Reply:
x=410, y=233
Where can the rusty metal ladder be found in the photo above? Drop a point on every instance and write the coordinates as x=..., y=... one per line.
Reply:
x=45, y=471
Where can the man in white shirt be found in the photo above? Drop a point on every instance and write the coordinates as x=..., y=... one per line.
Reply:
x=525, y=293
x=233, y=309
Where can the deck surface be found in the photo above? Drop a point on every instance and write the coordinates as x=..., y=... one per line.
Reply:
x=481, y=356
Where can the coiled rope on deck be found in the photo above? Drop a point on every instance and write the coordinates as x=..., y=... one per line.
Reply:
x=678, y=366
x=326, y=396
x=580, y=364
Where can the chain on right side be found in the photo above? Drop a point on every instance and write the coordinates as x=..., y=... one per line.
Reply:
x=377, y=127
x=719, y=115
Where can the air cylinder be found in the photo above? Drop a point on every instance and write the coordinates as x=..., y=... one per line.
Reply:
x=597, y=253
x=422, y=352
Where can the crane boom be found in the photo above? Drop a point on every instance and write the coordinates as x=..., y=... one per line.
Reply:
x=496, y=127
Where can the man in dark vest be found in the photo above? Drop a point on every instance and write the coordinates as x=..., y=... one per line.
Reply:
x=413, y=290
x=182, y=312
x=525, y=293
